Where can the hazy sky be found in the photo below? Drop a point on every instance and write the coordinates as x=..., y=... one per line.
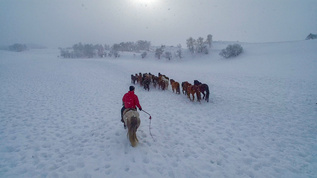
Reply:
x=62, y=23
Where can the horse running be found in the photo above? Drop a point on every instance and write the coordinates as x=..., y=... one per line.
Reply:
x=132, y=121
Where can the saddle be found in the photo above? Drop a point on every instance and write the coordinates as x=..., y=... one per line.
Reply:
x=130, y=112
x=128, y=109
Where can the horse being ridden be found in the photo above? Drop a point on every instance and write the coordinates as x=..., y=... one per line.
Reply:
x=132, y=120
x=130, y=116
x=204, y=89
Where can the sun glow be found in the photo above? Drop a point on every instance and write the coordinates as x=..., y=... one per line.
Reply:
x=145, y=2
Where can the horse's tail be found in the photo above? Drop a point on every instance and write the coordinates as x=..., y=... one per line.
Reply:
x=132, y=128
x=178, y=89
x=207, y=93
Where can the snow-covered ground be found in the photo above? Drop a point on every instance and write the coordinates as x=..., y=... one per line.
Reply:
x=61, y=117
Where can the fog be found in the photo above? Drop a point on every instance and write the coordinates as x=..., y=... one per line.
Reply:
x=61, y=23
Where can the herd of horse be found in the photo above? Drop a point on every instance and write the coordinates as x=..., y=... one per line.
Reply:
x=162, y=82
x=132, y=118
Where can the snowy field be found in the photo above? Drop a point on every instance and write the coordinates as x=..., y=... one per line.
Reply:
x=61, y=117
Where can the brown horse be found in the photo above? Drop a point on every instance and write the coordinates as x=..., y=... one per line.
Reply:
x=184, y=87
x=140, y=79
x=172, y=81
x=204, y=89
x=155, y=80
x=132, y=120
x=192, y=90
x=146, y=81
x=175, y=86
x=165, y=79
x=163, y=82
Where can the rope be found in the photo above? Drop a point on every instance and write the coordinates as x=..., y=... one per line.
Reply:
x=149, y=124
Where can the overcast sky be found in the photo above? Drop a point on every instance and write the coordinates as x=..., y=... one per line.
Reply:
x=62, y=23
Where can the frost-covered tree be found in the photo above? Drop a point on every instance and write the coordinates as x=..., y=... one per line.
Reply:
x=106, y=47
x=179, y=52
x=89, y=50
x=143, y=55
x=200, y=45
x=143, y=45
x=231, y=51
x=159, y=51
x=116, y=54
x=100, y=50
x=209, y=40
x=115, y=50
x=168, y=55
x=17, y=47
x=65, y=52
x=311, y=36
x=115, y=47
x=78, y=50
x=205, y=49
x=190, y=42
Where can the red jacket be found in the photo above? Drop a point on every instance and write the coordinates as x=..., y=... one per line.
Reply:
x=130, y=100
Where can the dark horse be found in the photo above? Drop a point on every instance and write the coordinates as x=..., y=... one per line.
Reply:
x=146, y=80
x=134, y=78
x=204, y=89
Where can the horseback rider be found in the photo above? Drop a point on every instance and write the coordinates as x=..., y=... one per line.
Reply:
x=130, y=101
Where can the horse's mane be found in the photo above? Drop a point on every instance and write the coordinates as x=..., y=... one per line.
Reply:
x=132, y=128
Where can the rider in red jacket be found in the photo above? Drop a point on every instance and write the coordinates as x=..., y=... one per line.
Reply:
x=131, y=101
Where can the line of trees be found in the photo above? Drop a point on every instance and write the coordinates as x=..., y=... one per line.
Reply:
x=199, y=45
x=80, y=50
x=17, y=47
x=138, y=46
x=89, y=50
x=169, y=53
x=84, y=50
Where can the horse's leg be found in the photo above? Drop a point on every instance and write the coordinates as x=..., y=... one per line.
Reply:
x=188, y=95
x=203, y=94
x=198, y=96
